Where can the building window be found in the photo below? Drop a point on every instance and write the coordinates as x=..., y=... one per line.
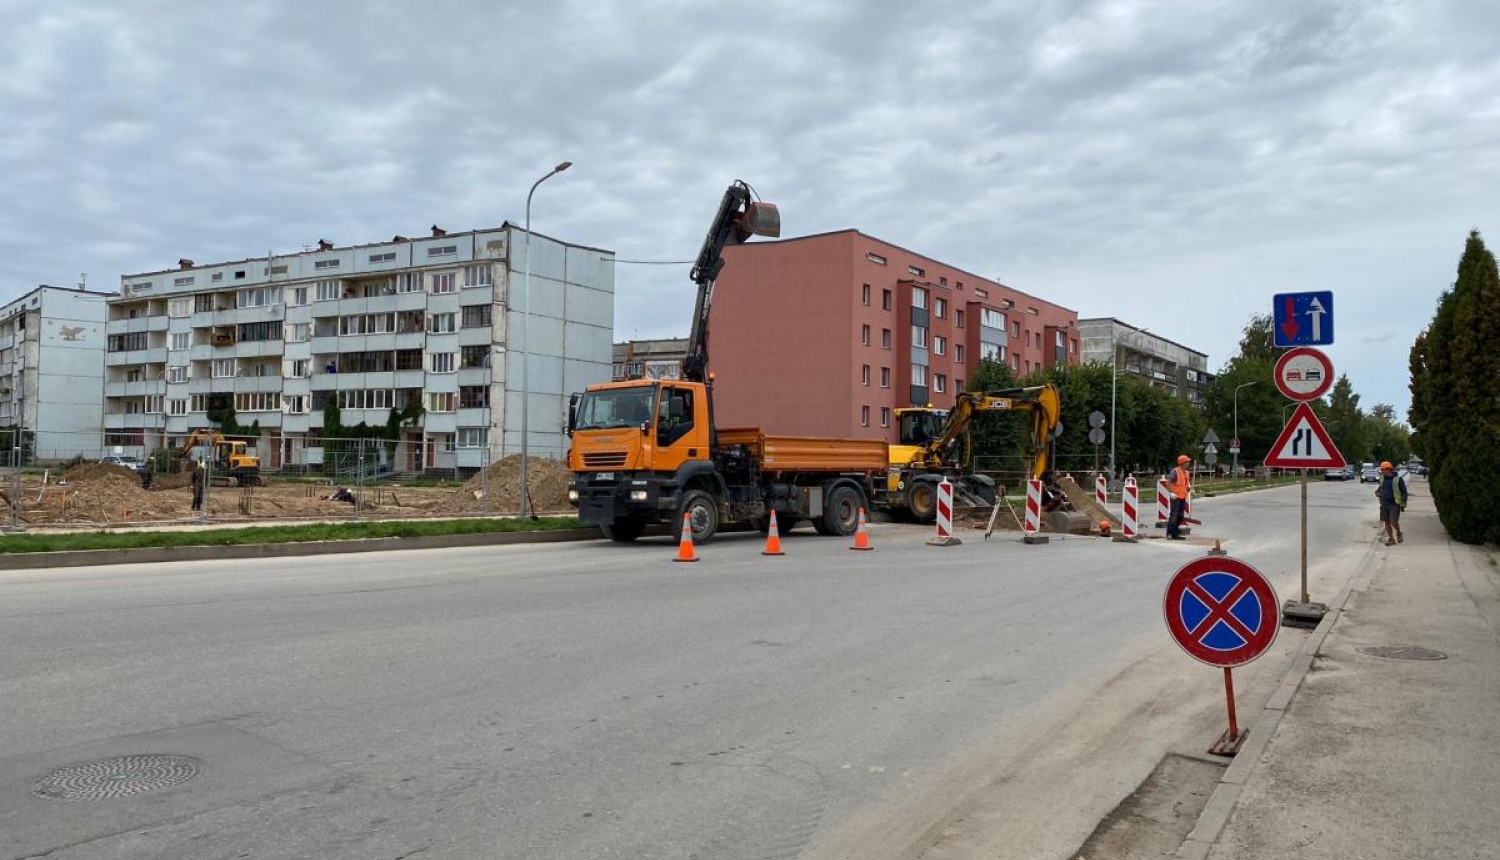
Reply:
x=919, y=337
x=885, y=416
x=958, y=318
x=179, y=308
x=442, y=362
x=218, y=276
x=180, y=339
x=297, y=332
x=223, y=368
x=177, y=373
x=940, y=308
x=864, y=375
x=477, y=276
x=408, y=359
x=885, y=377
x=864, y=296
x=885, y=338
x=940, y=345
x=918, y=298
x=177, y=406
x=257, y=401
x=1015, y=362
x=260, y=331
x=919, y=375
x=864, y=416
x=409, y=282
x=875, y=258
x=939, y=383
x=473, y=437
x=440, y=401
x=126, y=342
x=328, y=291
x=958, y=353
x=993, y=319
x=982, y=294
x=914, y=271
x=477, y=356
x=299, y=368
x=294, y=404
x=326, y=264
x=958, y=385
x=440, y=323
x=442, y=251
x=442, y=282
x=257, y=297
x=387, y=257
x=474, y=396
x=299, y=297
x=1015, y=329
x=183, y=282
x=477, y=316
x=992, y=351
x=885, y=300
x=864, y=335
x=367, y=324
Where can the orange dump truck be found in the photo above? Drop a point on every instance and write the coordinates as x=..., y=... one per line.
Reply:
x=646, y=452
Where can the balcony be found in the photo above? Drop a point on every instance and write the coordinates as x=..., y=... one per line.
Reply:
x=133, y=421
x=139, y=388
x=155, y=355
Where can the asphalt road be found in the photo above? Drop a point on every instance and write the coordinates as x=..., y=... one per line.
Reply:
x=594, y=700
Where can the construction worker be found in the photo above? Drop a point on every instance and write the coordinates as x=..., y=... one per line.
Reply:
x=196, y=480
x=1179, y=484
x=1391, y=491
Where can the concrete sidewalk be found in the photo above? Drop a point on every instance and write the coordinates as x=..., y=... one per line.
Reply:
x=1376, y=757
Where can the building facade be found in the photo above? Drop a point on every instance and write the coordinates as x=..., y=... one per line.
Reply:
x=439, y=323
x=52, y=371
x=650, y=359
x=1161, y=362
x=828, y=335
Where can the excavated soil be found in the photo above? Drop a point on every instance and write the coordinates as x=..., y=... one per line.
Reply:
x=1084, y=502
x=549, y=488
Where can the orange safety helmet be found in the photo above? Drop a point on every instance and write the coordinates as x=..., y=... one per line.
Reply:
x=1183, y=458
x=1386, y=464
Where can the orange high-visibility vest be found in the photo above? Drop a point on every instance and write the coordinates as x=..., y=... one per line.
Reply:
x=1179, y=483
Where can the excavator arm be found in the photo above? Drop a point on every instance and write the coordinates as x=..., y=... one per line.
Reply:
x=739, y=217
x=1041, y=402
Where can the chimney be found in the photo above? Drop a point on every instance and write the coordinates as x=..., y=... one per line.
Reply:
x=438, y=231
x=399, y=238
x=184, y=263
x=325, y=245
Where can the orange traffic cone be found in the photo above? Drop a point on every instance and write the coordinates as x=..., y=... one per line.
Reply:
x=685, y=546
x=773, y=539
x=862, y=535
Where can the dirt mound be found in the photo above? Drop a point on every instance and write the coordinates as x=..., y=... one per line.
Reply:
x=1083, y=502
x=95, y=471
x=549, y=488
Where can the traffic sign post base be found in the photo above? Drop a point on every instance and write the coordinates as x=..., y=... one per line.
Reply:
x=1230, y=742
x=1034, y=539
x=1218, y=550
x=1228, y=746
x=944, y=541
x=1295, y=613
x=1123, y=539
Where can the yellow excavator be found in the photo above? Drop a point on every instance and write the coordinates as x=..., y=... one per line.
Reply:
x=936, y=445
x=232, y=464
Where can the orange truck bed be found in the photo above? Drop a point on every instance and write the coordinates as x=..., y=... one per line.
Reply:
x=809, y=454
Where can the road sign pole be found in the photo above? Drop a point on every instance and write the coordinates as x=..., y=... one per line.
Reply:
x=1304, y=536
x=1234, y=727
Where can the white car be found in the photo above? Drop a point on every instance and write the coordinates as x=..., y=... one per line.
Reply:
x=1369, y=473
x=129, y=461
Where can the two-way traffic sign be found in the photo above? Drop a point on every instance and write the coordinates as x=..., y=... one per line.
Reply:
x=1304, y=444
x=1302, y=319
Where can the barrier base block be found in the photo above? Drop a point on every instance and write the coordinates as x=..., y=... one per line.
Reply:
x=1034, y=539
x=1124, y=539
x=943, y=541
x=1295, y=613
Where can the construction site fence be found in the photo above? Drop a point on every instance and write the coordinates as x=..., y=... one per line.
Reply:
x=332, y=461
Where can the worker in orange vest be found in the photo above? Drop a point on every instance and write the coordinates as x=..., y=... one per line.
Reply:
x=1179, y=484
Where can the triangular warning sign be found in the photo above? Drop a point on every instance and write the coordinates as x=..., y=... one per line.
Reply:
x=1304, y=444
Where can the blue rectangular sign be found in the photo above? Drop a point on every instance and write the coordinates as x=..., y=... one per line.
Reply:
x=1303, y=319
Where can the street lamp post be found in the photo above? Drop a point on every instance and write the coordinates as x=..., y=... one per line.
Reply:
x=525, y=343
x=161, y=437
x=1114, y=385
x=1234, y=469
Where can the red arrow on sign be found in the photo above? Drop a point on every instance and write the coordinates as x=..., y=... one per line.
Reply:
x=1289, y=326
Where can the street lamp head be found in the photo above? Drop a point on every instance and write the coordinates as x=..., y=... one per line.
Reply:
x=561, y=167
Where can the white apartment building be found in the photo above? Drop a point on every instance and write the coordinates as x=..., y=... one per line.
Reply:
x=1160, y=362
x=51, y=371
x=435, y=322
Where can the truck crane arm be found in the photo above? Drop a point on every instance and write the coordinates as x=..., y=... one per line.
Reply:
x=739, y=217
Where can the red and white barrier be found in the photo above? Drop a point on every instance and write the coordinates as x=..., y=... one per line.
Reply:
x=1101, y=491
x=1163, y=502
x=1129, y=509
x=945, y=510
x=1033, y=507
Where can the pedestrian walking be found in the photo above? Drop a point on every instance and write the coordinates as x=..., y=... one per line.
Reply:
x=197, y=483
x=1391, y=491
x=1179, y=484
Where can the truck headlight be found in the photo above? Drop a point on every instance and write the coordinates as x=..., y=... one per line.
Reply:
x=572, y=495
x=638, y=495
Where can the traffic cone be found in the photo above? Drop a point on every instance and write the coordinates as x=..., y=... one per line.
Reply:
x=862, y=535
x=1217, y=550
x=685, y=546
x=773, y=539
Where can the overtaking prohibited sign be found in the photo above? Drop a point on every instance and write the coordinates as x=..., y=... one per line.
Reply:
x=1221, y=611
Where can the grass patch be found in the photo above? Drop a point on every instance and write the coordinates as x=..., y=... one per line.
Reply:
x=23, y=543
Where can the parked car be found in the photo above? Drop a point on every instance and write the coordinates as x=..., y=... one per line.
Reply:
x=1342, y=473
x=1369, y=473
x=128, y=461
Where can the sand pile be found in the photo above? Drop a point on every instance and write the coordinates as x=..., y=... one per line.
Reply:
x=91, y=494
x=1084, y=503
x=96, y=471
x=549, y=488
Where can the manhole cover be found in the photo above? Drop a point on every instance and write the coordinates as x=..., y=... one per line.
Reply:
x=110, y=778
x=1404, y=652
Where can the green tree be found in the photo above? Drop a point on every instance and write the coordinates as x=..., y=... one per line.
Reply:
x=1389, y=438
x=1346, y=423
x=1417, y=414
x=1261, y=408
x=1454, y=408
x=1259, y=340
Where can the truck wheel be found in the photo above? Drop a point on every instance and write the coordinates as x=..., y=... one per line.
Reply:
x=921, y=500
x=624, y=531
x=840, y=512
x=702, y=513
x=784, y=524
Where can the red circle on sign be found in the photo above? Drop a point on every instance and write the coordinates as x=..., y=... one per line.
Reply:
x=1221, y=611
x=1282, y=383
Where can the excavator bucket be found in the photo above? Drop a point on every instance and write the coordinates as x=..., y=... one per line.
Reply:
x=760, y=219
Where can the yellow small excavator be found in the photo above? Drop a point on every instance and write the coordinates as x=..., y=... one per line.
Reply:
x=232, y=464
x=936, y=444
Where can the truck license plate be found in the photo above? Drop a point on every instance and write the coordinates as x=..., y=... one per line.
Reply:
x=604, y=476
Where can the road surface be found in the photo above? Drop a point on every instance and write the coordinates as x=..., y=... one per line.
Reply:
x=593, y=700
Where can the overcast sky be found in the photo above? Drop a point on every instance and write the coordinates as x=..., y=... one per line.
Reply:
x=1172, y=164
